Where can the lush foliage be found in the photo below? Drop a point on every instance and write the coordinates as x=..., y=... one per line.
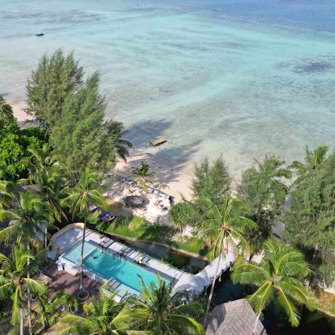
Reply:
x=310, y=221
x=278, y=277
x=73, y=111
x=6, y=114
x=103, y=316
x=210, y=181
x=15, y=144
x=49, y=310
x=56, y=78
x=164, y=313
x=225, y=227
x=143, y=174
x=14, y=280
x=264, y=192
x=313, y=162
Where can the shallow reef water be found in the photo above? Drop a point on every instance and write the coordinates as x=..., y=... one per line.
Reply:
x=238, y=78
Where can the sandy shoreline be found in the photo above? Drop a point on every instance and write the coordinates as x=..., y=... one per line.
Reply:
x=168, y=179
x=173, y=180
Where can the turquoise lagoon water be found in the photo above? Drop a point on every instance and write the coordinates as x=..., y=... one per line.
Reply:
x=107, y=266
x=237, y=77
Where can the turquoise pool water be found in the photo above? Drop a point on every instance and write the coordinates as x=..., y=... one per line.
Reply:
x=74, y=254
x=107, y=266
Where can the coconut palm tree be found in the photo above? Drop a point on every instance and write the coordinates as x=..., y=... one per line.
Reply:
x=14, y=280
x=49, y=310
x=29, y=216
x=312, y=163
x=163, y=313
x=224, y=227
x=143, y=175
x=6, y=197
x=114, y=131
x=103, y=316
x=6, y=114
x=50, y=185
x=278, y=277
x=79, y=198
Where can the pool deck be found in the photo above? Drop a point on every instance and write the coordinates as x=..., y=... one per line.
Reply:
x=66, y=239
x=63, y=281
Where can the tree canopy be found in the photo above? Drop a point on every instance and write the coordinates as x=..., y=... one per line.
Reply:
x=6, y=114
x=73, y=112
x=310, y=221
x=14, y=149
x=264, y=192
x=56, y=78
x=210, y=181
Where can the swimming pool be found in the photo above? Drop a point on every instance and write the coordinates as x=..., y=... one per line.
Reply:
x=74, y=254
x=109, y=266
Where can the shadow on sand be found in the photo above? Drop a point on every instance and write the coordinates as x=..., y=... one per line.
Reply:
x=167, y=160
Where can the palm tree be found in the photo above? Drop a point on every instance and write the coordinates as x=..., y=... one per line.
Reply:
x=6, y=114
x=143, y=175
x=312, y=163
x=6, y=197
x=79, y=198
x=267, y=187
x=278, y=277
x=163, y=313
x=103, y=316
x=113, y=133
x=225, y=225
x=264, y=192
x=50, y=183
x=50, y=310
x=29, y=216
x=15, y=280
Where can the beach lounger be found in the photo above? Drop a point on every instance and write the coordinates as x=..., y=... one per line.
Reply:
x=104, y=241
x=107, y=217
x=139, y=259
x=144, y=261
x=109, y=243
x=113, y=284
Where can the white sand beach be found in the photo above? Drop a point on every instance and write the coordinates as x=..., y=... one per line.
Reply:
x=173, y=179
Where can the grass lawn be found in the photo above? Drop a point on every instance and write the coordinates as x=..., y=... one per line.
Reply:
x=127, y=225
x=324, y=301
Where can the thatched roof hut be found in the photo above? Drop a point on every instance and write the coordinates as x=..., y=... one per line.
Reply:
x=233, y=318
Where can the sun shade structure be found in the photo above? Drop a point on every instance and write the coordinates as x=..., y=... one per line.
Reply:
x=158, y=141
x=134, y=201
x=233, y=318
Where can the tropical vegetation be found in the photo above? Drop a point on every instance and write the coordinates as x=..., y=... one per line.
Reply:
x=279, y=277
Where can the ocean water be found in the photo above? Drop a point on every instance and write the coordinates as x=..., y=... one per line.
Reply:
x=239, y=78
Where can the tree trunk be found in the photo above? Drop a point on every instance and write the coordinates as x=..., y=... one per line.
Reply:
x=45, y=236
x=211, y=292
x=255, y=325
x=21, y=312
x=29, y=296
x=81, y=258
x=21, y=321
